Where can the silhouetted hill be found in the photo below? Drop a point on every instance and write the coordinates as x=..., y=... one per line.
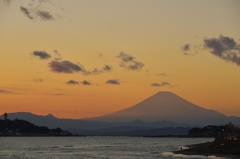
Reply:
x=20, y=127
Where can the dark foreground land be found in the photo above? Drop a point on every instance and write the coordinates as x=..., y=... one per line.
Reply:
x=228, y=147
x=24, y=128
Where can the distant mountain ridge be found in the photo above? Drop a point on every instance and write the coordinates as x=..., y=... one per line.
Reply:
x=84, y=127
x=161, y=110
x=52, y=122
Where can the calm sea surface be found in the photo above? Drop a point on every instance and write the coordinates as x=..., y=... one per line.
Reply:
x=94, y=147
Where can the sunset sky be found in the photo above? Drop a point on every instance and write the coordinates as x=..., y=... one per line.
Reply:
x=85, y=58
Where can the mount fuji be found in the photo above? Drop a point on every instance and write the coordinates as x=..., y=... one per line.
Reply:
x=166, y=106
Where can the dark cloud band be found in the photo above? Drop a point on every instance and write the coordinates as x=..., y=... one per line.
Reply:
x=113, y=82
x=65, y=67
x=41, y=54
x=72, y=82
x=225, y=48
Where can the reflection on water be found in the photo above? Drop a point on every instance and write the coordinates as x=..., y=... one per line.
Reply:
x=94, y=147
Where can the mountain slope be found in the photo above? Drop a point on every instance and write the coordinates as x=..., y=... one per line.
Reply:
x=166, y=106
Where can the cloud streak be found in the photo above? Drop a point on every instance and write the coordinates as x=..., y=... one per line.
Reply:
x=58, y=65
x=41, y=54
x=44, y=15
x=46, y=10
x=95, y=71
x=188, y=49
x=225, y=48
x=65, y=67
x=33, y=14
x=128, y=62
x=34, y=10
x=160, y=84
x=4, y=91
x=58, y=56
x=72, y=82
x=107, y=68
x=26, y=12
x=86, y=83
x=113, y=82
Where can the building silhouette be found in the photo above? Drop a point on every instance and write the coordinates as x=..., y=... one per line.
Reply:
x=5, y=116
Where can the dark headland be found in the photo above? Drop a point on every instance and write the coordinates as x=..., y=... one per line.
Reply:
x=18, y=127
x=226, y=143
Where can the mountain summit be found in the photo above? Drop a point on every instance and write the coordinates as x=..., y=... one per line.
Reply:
x=166, y=106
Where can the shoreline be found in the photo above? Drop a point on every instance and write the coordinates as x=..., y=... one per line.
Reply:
x=219, y=148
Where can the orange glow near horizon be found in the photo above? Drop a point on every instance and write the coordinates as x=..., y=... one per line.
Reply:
x=162, y=45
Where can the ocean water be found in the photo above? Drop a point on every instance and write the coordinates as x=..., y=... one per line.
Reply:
x=94, y=147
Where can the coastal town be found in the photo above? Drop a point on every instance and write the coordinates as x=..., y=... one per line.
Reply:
x=229, y=131
x=225, y=144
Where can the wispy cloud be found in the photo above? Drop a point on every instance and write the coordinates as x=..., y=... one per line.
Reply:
x=95, y=71
x=188, y=49
x=26, y=12
x=72, y=82
x=65, y=67
x=224, y=47
x=38, y=9
x=41, y=54
x=113, y=82
x=44, y=15
x=160, y=84
x=38, y=80
x=58, y=65
x=107, y=68
x=4, y=91
x=33, y=14
x=86, y=83
x=125, y=57
x=15, y=90
x=128, y=62
x=57, y=56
